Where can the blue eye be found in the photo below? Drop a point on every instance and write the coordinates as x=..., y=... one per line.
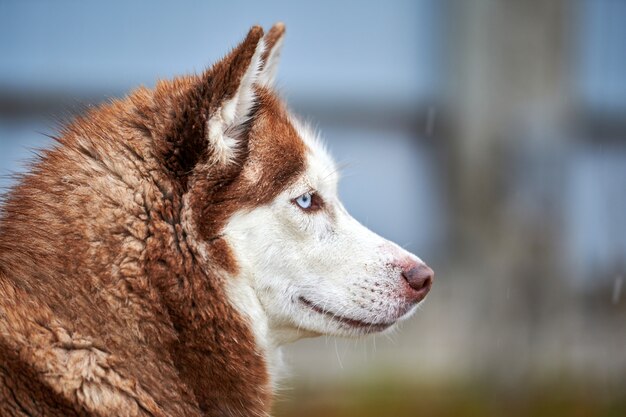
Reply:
x=305, y=201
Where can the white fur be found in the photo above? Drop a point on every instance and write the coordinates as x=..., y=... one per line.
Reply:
x=285, y=253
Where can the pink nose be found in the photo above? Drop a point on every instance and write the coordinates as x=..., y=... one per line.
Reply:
x=420, y=278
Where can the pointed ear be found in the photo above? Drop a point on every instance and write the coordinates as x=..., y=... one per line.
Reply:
x=231, y=85
x=205, y=117
x=271, y=56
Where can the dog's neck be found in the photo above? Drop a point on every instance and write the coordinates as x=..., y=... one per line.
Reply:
x=242, y=296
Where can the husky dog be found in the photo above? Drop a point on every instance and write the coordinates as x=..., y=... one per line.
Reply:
x=154, y=261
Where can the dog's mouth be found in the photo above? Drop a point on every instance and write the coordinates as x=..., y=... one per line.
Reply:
x=365, y=326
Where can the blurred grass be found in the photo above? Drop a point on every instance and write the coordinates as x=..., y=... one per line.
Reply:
x=390, y=397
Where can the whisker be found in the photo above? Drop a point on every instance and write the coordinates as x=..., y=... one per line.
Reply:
x=337, y=352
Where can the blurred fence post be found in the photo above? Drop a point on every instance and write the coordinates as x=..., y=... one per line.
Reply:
x=506, y=60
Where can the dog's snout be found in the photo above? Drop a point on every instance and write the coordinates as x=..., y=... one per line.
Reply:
x=420, y=278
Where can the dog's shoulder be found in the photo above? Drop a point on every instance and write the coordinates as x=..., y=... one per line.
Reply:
x=83, y=360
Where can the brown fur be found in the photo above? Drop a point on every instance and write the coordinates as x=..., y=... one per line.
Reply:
x=108, y=304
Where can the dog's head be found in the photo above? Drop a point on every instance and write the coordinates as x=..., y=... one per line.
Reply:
x=261, y=193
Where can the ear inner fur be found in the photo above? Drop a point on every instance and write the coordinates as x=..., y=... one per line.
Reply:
x=273, y=42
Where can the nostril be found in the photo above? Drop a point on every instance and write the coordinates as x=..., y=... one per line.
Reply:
x=419, y=277
x=420, y=284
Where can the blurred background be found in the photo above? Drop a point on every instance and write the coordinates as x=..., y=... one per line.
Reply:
x=486, y=136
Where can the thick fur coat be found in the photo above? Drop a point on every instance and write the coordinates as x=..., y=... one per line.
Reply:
x=124, y=285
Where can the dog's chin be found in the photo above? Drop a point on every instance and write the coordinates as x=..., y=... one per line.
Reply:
x=329, y=322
